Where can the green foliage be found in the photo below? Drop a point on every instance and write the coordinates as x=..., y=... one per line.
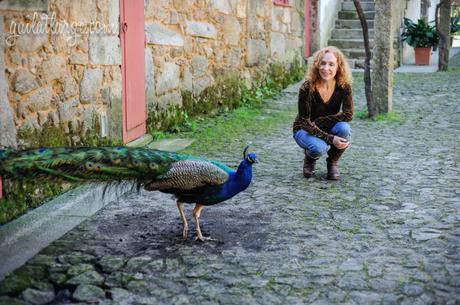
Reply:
x=362, y=115
x=455, y=25
x=390, y=117
x=53, y=136
x=242, y=123
x=420, y=34
x=22, y=195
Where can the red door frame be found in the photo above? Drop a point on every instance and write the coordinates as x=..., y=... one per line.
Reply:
x=133, y=69
x=307, y=8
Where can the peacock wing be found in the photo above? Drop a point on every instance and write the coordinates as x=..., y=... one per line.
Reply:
x=189, y=174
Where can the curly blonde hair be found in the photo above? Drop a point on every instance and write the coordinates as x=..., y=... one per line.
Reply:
x=343, y=76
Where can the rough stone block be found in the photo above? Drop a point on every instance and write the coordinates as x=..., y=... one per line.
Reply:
x=256, y=7
x=82, y=12
x=31, y=42
x=199, y=66
x=256, y=52
x=240, y=7
x=78, y=58
x=256, y=28
x=67, y=110
x=159, y=34
x=90, y=85
x=53, y=68
x=70, y=86
x=169, y=78
x=24, y=81
x=201, y=29
x=33, y=6
x=104, y=50
x=222, y=6
x=187, y=83
x=149, y=77
x=40, y=99
x=232, y=30
x=277, y=46
x=182, y=5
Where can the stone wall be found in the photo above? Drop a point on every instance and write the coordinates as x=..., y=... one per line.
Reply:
x=69, y=78
x=57, y=77
x=192, y=43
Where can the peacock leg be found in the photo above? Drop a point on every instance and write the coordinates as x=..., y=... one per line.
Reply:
x=196, y=218
x=180, y=206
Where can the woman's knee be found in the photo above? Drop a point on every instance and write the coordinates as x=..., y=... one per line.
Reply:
x=316, y=151
x=342, y=129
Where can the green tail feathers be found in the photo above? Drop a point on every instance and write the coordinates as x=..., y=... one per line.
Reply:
x=85, y=163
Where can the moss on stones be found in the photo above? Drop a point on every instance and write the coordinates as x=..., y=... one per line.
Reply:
x=21, y=195
x=227, y=93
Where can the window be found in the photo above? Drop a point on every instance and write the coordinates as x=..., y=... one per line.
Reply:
x=281, y=2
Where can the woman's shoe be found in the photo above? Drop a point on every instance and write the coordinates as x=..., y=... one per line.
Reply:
x=308, y=166
x=332, y=170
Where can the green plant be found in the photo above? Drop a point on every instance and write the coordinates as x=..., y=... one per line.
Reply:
x=455, y=24
x=420, y=34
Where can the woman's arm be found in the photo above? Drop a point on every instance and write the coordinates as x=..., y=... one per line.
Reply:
x=303, y=118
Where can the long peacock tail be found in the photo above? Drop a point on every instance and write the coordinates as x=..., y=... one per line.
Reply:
x=84, y=163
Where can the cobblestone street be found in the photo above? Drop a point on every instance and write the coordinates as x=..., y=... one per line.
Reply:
x=387, y=233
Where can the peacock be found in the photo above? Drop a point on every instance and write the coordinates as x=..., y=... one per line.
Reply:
x=189, y=178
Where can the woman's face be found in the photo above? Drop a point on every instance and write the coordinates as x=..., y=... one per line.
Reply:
x=328, y=66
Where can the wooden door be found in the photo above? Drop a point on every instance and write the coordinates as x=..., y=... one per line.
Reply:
x=307, y=8
x=133, y=66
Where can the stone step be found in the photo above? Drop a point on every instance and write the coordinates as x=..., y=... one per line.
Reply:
x=354, y=53
x=350, y=33
x=352, y=15
x=366, y=6
x=357, y=55
x=352, y=24
x=350, y=43
x=358, y=63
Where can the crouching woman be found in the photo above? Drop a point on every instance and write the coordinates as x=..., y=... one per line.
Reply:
x=325, y=107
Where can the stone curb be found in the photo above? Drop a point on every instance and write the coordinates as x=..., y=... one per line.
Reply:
x=25, y=236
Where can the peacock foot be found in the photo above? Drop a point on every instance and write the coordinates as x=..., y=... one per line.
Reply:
x=203, y=239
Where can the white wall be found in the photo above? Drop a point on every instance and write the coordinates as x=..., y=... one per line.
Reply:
x=328, y=10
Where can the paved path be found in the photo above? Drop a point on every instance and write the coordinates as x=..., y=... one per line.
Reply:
x=387, y=233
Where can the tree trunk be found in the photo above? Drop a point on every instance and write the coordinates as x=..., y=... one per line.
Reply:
x=424, y=5
x=372, y=109
x=382, y=74
x=442, y=18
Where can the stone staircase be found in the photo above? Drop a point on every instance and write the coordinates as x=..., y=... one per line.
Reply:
x=347, y=33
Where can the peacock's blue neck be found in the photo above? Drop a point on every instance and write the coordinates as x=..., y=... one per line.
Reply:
x=239, y=180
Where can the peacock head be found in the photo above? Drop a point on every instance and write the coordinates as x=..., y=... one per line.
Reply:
x=251, y=157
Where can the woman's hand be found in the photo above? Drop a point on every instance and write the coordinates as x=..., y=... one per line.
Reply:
x=340, y=143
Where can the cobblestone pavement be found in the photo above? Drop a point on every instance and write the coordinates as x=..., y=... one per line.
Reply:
x=387, y=233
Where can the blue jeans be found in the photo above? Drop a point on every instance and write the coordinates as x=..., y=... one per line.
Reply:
x=316, y=147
